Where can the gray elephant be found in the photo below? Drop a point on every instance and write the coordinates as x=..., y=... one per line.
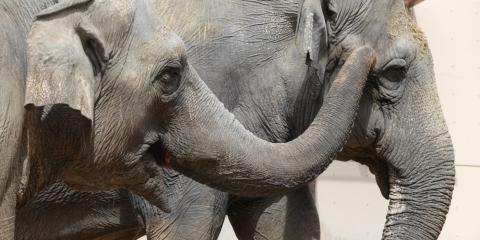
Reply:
x=400, y=132
x=67, y=59
x=86, y=58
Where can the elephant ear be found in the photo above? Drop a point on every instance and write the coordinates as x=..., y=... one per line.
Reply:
x=312, y=42
x=311, y=34
x=65, y=62
x=62, y=60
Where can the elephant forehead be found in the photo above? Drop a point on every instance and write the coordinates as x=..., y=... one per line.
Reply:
x=148, y=26
x=162, y=47
x=123, y=8
x=113, y=18
x=403, y=25
x=193, y=20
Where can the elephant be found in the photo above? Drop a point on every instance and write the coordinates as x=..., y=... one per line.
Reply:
x=48, y=63
x=399, y=133
x=105, y=95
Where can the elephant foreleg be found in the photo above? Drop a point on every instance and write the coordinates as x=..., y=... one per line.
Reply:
x=290, y=217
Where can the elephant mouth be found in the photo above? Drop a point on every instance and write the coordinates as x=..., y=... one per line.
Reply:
x=159, y=153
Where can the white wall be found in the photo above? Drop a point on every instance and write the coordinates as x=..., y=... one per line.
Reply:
x=349, y=203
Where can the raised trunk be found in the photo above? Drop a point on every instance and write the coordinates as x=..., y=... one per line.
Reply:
x=211, y=146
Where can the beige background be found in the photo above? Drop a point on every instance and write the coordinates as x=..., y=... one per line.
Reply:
x=349, y=203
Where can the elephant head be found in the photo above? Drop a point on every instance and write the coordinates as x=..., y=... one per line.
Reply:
x=110, y=87
x=400, y=132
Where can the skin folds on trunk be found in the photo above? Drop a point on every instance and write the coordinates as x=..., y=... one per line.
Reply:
x=421, y=166
x=420, y=195
x=219, y=151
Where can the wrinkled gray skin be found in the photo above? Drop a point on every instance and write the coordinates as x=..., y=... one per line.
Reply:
x=400, y=132
x=109, y=94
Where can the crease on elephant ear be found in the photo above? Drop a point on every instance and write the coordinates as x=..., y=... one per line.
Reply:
x=61, y=6
x=312, y=42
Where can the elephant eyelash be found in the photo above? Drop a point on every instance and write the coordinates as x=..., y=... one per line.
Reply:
x=395, y=63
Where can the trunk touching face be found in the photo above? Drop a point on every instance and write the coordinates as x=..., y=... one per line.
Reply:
x=205, y=141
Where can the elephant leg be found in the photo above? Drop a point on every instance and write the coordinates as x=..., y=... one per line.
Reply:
x=197, y=212
x=290, y=217
x=59, y=212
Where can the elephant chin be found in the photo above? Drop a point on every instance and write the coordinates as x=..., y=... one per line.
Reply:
x=159, y=153
x=153, y=189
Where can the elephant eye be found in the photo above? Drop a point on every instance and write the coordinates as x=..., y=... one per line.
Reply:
x=169, y=80
x=395, y=70
x=391, y=80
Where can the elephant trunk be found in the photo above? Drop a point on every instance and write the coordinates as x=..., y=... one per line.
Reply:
x=212, y=147
x=421, y=162
x=420, y=195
